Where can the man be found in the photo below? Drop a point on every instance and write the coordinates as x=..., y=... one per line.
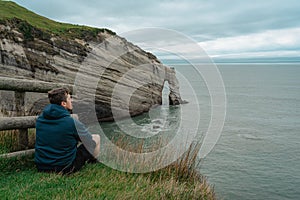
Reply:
x=58, y=134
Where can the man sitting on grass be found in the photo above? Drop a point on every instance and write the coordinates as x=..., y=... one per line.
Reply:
x=58, y=134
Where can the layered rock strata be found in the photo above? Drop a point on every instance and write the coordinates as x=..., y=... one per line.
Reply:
x=112, y=77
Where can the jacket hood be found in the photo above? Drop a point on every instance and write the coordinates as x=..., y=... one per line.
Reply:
x=53, y=111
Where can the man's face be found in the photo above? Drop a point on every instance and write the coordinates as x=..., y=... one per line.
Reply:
x=68, y=104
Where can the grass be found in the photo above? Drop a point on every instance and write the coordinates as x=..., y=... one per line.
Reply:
x=9, y=140
x=20, y=180
x=10, y=10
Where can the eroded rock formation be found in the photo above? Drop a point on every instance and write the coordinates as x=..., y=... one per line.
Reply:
x=111, y=75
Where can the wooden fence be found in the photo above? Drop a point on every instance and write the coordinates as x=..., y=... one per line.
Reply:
x=20, y=121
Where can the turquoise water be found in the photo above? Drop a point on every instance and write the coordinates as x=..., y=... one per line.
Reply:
x=257, y=155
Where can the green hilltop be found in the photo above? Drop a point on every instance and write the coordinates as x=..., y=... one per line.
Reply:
x=12, y=12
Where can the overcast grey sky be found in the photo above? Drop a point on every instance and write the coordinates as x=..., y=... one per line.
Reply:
x=223, y=28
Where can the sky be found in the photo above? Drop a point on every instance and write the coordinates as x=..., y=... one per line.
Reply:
x=224, y=29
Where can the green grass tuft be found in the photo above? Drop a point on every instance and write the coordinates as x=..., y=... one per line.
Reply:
x=9, y=140
x=11, y=11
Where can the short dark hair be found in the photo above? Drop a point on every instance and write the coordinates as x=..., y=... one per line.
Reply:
x=58, y=95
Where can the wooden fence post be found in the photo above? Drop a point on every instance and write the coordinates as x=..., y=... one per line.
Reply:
x=19, y=121
x=20, y=111
x=20, y=103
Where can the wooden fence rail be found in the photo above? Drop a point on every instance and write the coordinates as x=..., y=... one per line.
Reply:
x=24, y=85
x=21, y=123
x=10, y=123
x=20, y=87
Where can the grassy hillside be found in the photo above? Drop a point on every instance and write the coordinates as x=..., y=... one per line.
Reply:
x=10, y=11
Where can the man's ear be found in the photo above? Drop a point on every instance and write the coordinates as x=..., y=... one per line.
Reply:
x=63, y=104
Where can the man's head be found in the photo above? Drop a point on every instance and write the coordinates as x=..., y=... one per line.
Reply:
x=62, y=97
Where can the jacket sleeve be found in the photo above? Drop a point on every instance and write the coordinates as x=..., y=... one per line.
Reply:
x=83, y=134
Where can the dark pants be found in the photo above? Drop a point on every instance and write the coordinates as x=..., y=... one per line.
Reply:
x=82, y=156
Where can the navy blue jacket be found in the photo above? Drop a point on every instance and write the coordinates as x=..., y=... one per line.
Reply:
x=57, y=136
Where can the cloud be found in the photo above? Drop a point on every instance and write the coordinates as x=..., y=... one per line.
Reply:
x=266, y=43
x=220, y=26
x=271, y=43
x=192, y=17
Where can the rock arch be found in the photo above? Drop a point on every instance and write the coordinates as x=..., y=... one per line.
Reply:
x=174, y=95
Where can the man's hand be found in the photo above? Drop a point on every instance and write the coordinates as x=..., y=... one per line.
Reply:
x=75, y=116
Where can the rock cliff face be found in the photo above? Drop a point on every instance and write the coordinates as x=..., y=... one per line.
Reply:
x=113, y=75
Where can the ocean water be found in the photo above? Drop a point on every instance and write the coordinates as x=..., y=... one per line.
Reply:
x=258, y=153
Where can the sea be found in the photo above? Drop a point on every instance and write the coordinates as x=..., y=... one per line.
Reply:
x=257, y=153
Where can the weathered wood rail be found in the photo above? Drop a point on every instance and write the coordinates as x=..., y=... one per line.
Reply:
x=24, y=85
x=10, y=123
x=20, y=121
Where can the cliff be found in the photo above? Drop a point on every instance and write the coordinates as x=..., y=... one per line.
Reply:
x=107, y=70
